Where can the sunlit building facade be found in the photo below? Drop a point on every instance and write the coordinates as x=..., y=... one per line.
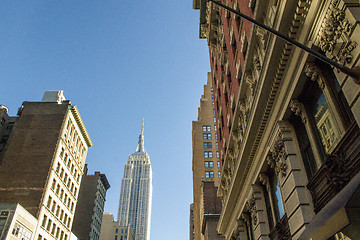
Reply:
x=205, y=167
x=136, y=192
x=288, y=124
x=42, y=162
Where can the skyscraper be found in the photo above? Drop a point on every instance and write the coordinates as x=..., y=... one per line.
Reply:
x=136, y=192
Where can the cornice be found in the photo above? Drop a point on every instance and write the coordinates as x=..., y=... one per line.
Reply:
x=76, y=114
x=243, y=160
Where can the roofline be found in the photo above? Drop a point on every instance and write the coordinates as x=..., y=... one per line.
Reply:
x=80, y=123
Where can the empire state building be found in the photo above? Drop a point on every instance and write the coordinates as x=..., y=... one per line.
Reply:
x=136, y=192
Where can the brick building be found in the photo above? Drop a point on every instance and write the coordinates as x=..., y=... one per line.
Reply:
x=41, y=164
x=90, y=207
x=288, y=124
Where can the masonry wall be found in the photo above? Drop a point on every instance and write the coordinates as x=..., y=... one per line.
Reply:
x=85, y=207
x=26, y=162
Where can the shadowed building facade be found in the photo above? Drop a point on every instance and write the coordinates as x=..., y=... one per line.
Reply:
x=136, y=192
x=287, y=123
x=90, y=207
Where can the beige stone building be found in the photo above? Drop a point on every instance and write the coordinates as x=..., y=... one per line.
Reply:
x=42, y=162
x=16, y=222
x=291, y=158
x=205, y=163
x=111, y=230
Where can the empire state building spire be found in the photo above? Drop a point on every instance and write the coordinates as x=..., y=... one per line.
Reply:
x=136, y=192
x=140, y=146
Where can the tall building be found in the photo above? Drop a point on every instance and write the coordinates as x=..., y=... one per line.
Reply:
x=288, y=124
x=111, y=230
x=136, y=192
x=41, y=165
x=205, y=162
x=90, y=207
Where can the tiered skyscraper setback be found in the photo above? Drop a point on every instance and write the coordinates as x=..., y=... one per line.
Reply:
x=136, y=192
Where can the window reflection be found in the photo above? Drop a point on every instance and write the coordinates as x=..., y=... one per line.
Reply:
x=325, y=124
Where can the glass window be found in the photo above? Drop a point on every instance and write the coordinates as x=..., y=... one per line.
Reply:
x=207, y=136
x=219, y=174
x=209, y=164
x=212, y=90
x=206, y=128
x=208, y=154
x=215, y=135
x=214, y=111
x=217, y=154
x=213, y=105
x=214, y=119
x=215, y=127
x=207, y=145
x=212, y=96
x=2, y=121
x=209, y=174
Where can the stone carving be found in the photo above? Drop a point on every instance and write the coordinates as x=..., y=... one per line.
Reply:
x=251, y=206
x=277, y=157
x=298, y=108
x=262, y=35
x=264, y=179
x=251, y=82
x=257, y=63
x=345, y=53
x=312, y=70
x=334, y=25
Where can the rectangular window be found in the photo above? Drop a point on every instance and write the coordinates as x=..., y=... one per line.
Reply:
x=207, y=145
x=208, y=154
x=44, y=221
x=216, y=145
x=206, y=128
x=214, y=119
x=219, y=174
x=215, y=135
x=218, y=164
x=209, y=164
x=214, y=111
x=209, y=174
x=213, y=105
x=215, y=127
x=207, y=136
x=217, y=154
x=48, y=225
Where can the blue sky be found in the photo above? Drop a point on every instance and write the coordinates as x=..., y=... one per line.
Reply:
x=118, y=61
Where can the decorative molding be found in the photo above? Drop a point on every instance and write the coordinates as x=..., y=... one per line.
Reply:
x=251, y=207
x=298, y=108
x=264, y=179
x=334, y=26
x=313, y=71
x=277, y=157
